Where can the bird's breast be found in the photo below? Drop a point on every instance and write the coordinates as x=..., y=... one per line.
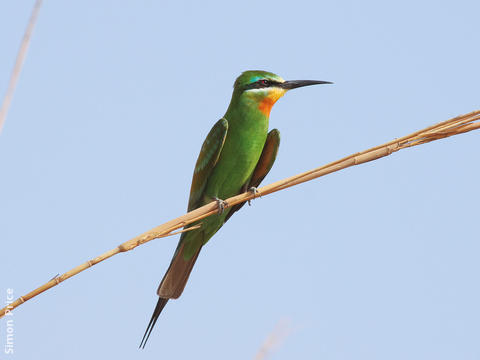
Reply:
x=241, y=151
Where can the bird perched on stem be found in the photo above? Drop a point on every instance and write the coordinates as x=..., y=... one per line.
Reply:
x=235, y=157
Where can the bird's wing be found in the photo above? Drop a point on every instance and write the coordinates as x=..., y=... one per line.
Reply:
x=207, y=159
x=265, y=163
x=176, y=277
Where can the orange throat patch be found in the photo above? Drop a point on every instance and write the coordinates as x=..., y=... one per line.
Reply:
x=265, y=106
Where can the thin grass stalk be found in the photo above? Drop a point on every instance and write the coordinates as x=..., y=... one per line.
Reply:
x=22, y=53
x=455, y=126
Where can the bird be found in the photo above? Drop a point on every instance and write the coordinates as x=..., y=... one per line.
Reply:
x=236, y=155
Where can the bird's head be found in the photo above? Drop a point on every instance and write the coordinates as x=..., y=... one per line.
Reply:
x=263, y=88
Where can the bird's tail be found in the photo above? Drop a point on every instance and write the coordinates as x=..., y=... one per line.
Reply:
x=156, y=313
x=172, y=285
x=177, y=275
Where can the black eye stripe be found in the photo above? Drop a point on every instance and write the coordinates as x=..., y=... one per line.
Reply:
x=262, y=83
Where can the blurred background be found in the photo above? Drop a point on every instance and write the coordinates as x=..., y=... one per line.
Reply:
x=379, y=261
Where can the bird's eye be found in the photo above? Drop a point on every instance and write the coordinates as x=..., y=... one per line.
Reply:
x=264, y=82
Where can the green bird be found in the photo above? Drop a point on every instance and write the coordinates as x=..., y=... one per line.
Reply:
x=235, y=157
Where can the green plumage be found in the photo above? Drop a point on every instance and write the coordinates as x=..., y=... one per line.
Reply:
x=243, y=145
x=236, y=155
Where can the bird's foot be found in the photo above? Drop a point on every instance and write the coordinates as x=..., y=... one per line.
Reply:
x=221, y=205
x=255, y=192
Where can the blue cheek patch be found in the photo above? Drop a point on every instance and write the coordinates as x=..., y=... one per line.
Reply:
x=254, y=79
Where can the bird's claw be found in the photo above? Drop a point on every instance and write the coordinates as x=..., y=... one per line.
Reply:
x=255, y=192
x=221, y=205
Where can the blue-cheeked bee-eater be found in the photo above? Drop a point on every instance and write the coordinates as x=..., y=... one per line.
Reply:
x=235, y=157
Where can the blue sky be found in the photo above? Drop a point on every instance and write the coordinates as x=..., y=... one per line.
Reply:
x=378, y=261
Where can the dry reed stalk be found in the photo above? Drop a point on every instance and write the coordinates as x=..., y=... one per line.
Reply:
x=274, y=340
x=22, y=52
x=455, y=126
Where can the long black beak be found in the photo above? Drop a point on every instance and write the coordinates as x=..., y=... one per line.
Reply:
x=293, y=84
